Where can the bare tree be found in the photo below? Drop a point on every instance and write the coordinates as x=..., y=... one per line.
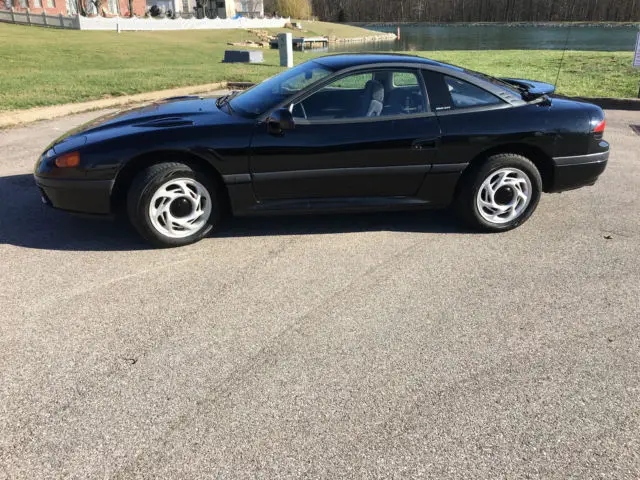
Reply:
x=478, y=10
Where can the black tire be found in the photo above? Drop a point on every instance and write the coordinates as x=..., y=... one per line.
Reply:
x=466, y=204
x=144, y=186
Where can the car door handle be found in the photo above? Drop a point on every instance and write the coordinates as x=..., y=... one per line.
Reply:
x=425, y=144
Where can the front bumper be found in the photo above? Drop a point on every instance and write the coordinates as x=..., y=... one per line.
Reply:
x=577, y=171
x=82, y=196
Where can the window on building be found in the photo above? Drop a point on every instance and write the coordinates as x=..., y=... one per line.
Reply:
x=37, y=3
x=185, y=6
x=23, y=4
x=51, y=4
x=114, y=7
x=72, y=7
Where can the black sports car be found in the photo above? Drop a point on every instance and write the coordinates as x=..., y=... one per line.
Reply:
x=338, y=133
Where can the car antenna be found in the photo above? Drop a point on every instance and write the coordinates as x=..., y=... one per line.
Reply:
x=564, y=51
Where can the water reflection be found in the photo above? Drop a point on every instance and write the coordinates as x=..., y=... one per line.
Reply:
x=500, y=37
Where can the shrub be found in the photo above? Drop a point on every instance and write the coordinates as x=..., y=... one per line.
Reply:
x=299, y=9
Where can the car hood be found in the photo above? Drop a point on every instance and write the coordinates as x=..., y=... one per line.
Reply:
x=171, y=112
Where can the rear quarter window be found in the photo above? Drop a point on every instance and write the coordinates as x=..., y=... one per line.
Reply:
x=466, y=95
x=405, y=79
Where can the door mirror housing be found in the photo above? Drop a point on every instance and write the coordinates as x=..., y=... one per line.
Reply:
x=279, y=121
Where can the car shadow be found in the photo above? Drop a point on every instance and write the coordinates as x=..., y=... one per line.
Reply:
x=429, y=221
x=26, y=222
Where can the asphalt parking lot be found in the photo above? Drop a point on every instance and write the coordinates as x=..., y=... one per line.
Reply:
x=360, y=346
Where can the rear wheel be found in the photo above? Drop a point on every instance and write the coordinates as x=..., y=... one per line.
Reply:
x=171, y=204
x=500, y=194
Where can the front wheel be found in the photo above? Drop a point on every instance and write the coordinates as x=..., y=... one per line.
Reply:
x=171, y=204
x=501, y=194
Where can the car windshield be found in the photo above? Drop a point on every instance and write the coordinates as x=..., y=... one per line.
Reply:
x=274, y=90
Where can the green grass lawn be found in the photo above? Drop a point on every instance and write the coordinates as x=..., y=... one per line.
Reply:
x=40, y=66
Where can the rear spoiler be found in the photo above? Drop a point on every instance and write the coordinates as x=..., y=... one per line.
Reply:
x=533, y=89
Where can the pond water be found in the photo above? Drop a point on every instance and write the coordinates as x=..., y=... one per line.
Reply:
x=500, y=37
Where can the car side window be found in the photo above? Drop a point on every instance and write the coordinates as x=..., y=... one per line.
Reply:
x=379, y=93
x=466, y=95
x=353, y=82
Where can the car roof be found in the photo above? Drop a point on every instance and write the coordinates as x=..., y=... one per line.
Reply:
x=348, y=60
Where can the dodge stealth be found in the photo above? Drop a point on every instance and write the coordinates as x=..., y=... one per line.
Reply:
x=339, y=133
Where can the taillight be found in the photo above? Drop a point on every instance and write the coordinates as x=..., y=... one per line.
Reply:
x=599, y=127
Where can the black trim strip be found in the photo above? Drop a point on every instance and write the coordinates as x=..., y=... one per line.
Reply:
x=336, y=172
x=236, y=178
x=382, y=118
x=73, y=183
x=338, y=203
x=448, y=167
x=582, y=159
x=481, y=108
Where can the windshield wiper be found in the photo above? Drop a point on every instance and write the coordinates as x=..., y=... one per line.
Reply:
x=222, y=100
x=226, y=99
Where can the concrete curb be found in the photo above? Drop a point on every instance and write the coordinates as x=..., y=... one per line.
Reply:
x=239, y=85
x=612, y=103
x=17, y=117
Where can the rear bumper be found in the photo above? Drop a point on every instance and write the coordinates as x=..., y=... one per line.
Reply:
x=578, y=171
x=82, y=196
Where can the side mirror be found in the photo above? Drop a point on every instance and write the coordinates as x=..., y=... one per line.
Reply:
x=279, y=121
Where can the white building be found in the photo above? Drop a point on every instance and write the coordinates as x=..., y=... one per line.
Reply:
x=250, y=8
x=214, y=8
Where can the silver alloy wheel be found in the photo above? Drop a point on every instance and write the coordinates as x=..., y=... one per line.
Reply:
x=504, y=195
x=180, y=207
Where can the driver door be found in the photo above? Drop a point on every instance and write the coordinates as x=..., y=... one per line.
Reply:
x=366, y=134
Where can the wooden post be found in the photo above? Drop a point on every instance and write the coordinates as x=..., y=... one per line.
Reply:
x=44, y=17
x=61, y=20
x=28, y=17
x=13, y=16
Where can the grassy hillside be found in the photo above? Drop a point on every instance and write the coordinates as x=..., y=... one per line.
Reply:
x=47, y=67
x=335, y=29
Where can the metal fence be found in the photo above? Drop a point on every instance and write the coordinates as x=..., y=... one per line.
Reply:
x=120, y=24
x=182, y=21
x=40, y=19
